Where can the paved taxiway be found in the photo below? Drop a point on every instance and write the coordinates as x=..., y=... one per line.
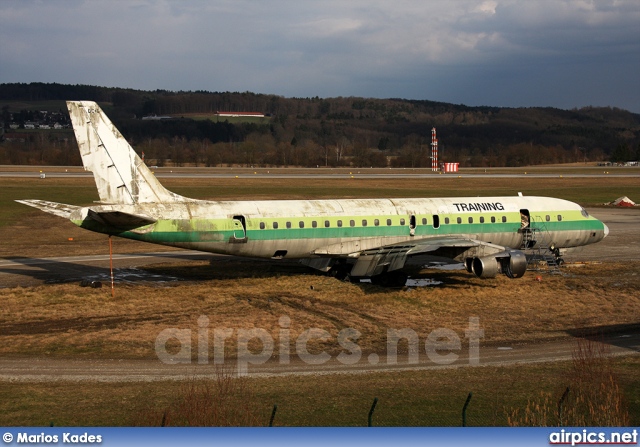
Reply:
x=362, y=174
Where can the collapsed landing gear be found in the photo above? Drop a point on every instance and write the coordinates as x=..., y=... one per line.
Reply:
x=340, y=271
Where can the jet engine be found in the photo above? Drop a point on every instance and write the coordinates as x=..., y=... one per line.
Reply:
x=512, y=263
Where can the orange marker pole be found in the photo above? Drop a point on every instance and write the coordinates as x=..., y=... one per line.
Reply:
x=113, y=291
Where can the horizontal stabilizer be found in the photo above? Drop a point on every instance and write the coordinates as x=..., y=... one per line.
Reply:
x=119, y=219
x=58, y=209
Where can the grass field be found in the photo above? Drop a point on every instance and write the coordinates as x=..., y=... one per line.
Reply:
x=51, y=106
x=584, y=190
x=68, y=322
x=427, y=398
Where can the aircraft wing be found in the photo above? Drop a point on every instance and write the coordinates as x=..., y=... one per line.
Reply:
x=392, y=257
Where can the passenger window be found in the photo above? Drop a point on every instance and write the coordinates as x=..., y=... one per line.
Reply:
x=314, y=224
x=424, y=221
x=288, y=224
x=364, y=222
x=352, y=223
x=493, y=219
x=559, y=217
x=275, y=225
x=547, y=218
x=481, y=219
x=301, y=223
x=262, y=226
x=459, y=220
x=402, y=221
x=327, y=224
x=446, y=220
x=388, y=222
x=376, y=222
x=340, y=223
x=470, y=219
x=504, y=219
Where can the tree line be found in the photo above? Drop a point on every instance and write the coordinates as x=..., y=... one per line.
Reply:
x=343, y=131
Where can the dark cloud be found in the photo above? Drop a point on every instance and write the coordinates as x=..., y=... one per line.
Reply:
x=566, y=53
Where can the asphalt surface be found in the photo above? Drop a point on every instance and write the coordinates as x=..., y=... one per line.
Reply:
x=22, y=272
x=331, y=175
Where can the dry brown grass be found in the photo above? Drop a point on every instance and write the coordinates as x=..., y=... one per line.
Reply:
x=66, y=320
x=223, y=401
x=593, y=396
x=406, y=398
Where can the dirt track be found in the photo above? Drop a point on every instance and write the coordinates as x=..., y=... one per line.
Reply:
x=622, y=343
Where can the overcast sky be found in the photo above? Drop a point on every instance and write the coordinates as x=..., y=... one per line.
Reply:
x=559, y=53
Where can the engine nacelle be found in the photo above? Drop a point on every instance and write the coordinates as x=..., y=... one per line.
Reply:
x=512, y=263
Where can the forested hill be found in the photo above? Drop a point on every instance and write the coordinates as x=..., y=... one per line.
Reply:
x=341, y=131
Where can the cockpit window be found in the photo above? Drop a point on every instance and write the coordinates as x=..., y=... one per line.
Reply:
x=584, y=212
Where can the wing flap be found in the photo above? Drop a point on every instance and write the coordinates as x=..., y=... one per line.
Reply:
x=392, y=257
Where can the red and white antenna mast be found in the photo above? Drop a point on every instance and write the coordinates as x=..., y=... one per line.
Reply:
x=434, y=150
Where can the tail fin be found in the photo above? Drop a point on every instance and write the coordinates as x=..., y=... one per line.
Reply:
x=120, y=175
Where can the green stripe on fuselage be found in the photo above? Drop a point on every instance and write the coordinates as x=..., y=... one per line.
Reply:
x=222, y=230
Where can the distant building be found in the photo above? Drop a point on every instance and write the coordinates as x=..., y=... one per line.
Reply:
x=237, y=114
x=155, y=118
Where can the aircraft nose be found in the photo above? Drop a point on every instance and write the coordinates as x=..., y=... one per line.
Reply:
x=606, y=230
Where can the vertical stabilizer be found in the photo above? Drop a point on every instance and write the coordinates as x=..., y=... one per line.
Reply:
x=120, y=175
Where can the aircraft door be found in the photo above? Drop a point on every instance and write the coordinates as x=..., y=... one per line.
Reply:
x=239, y=228
x=528, y=233
x=412, y=225
x=525, y=219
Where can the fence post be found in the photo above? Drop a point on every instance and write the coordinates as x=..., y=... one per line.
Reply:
x=373, y=407
x=164, y=419
x=273, y=415
x=464, y=410
x=560, y=402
